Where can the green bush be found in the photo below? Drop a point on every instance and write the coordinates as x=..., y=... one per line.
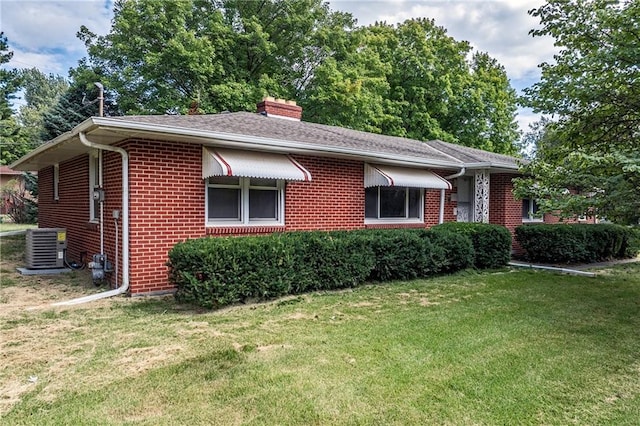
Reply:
x=491, y=243
x=631, y=245
x=214, y=272
x=575, y=243
x=452, y=252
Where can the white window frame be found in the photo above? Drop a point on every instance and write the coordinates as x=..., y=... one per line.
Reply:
x=56, y=182
x=394, y=220
x=95, y=178
x=244, y=184
x=531, y=216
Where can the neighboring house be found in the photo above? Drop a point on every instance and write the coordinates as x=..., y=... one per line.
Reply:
x=10, y=181
x=156, y=180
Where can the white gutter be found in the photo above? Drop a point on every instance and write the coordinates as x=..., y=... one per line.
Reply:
x=125, y=227
x=456, y=175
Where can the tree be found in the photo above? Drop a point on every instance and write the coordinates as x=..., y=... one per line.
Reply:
x=408, y=80
x=590, y=157
x=161, y=56
x=414, y=80
x=14, y=143
x=41, y=93
x=77, y=103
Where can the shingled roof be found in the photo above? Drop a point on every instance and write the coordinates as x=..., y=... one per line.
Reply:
x=246, y=123
x=253, y=124
x=267, y=133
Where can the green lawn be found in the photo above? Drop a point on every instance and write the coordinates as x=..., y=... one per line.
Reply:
x=9, y=226
x=517, y=347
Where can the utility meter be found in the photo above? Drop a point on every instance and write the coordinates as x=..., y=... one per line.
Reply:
x=98, y=194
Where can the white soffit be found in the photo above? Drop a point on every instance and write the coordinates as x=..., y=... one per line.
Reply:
x=231, y=162
x=377, y=175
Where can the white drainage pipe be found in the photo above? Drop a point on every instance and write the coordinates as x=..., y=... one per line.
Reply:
x=554, y=269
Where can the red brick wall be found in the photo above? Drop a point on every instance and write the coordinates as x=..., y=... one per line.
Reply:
x=334, y=199
x=167, y=202
x=550, y=218
x=71, y=210
x=504, y=209
x=167, y=205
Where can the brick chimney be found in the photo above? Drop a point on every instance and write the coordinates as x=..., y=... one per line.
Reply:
x=280, y=108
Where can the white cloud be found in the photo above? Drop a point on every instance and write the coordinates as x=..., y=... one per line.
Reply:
x=42, y=33
x=500, y=28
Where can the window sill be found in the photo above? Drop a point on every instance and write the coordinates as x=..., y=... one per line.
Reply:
x=384, y=224
x=243, y=229
x=393, y=221
x=532, y=220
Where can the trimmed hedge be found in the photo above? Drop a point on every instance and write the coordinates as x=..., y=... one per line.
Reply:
x=574, y=243
x=218, y=271
x=491, y=243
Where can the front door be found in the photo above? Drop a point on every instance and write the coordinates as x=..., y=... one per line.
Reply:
x=465, y=199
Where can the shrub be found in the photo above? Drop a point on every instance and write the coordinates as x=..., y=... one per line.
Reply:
x=573, y=243
x=631, y=244
x=213, y=272
x=452, y=252
x=491, y=243
x=325, y=261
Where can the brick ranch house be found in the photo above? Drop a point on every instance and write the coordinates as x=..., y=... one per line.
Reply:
x=164, y=179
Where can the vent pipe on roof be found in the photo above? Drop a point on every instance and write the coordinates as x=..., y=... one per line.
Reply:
x=100, y=99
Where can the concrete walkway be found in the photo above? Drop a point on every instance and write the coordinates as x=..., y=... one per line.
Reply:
x=575, y=269
x=597, y=265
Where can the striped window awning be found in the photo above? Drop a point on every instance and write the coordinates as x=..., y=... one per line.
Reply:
x=378, y=175
x=231, y=162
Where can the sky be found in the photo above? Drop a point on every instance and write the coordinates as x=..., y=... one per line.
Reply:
x=42, y=33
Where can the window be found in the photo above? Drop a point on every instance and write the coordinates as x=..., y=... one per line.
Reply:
x=393, y=203
x=530, y=211
x=56, y=180
x=94, y=182
x=244, y=201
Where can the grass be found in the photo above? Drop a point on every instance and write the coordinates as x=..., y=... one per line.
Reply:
x=497, y=348
x=10, y=226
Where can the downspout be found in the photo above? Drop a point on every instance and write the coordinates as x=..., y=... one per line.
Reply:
x=125, y=226
x=457, y=175
x=441, y=213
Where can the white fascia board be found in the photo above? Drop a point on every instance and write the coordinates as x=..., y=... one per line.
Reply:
x=490, y=165
x=53, y=143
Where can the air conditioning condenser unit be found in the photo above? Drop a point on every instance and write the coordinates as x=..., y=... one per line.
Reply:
x=45, y=248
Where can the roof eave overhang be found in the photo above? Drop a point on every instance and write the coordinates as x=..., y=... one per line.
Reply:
x=131, y=130
x=494, y=167
x=119, y=130
x=30, y=161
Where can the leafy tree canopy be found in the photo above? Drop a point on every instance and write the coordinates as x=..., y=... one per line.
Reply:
x=41, y=92
x=588, y=156
x=411, y=79
x=14, y=143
